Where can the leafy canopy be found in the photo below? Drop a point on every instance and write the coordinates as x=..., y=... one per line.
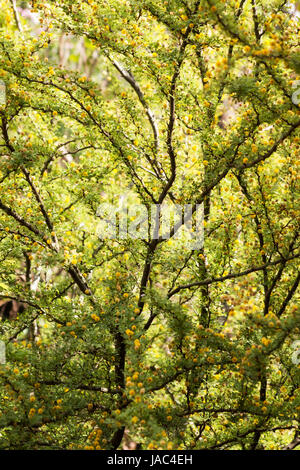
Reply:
x=127, y=341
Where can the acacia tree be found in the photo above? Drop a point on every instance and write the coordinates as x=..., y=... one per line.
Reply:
x=181, y=102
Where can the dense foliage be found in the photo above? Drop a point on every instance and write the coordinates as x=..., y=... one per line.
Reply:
x=129, y=341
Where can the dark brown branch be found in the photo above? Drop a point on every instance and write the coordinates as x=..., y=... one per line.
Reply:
x=20, y=219
x=229, y=276
x=133, y=83
x=290, y=295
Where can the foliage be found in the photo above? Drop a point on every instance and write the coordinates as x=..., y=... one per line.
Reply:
x=185, y=102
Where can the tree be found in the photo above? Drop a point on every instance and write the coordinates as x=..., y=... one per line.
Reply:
x=178, y=102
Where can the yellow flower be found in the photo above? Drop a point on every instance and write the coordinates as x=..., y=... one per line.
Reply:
x=31, y=412
x=265, y=341
x=95, y=317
